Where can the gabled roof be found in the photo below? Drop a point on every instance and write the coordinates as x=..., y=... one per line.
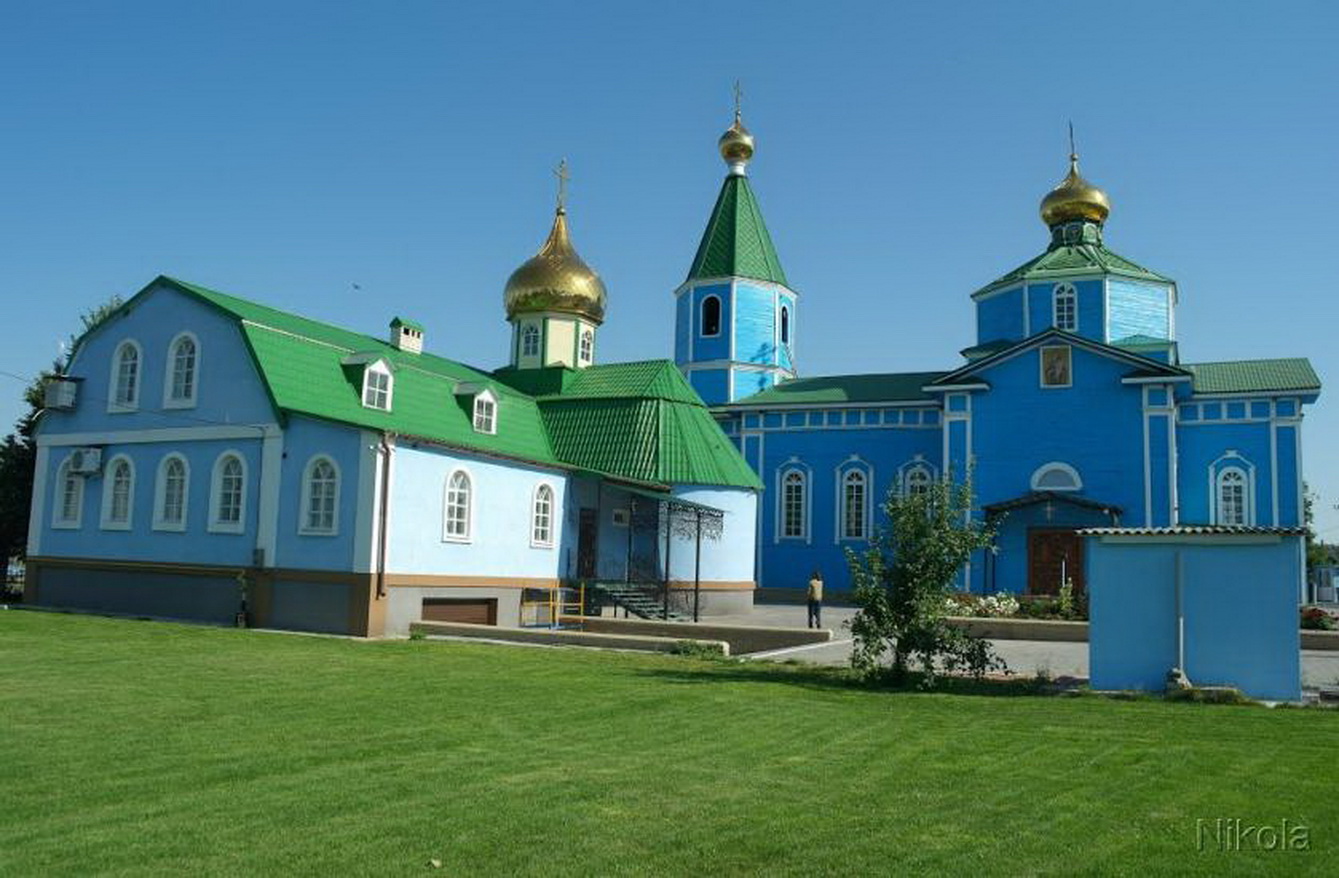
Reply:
x=662, y=433
x=736, y=242
x=1255, y=376
x=1144, y=365
x=1069, y=260
x=886, y=387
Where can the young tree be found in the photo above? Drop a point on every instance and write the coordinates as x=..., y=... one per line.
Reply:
x=903, y=581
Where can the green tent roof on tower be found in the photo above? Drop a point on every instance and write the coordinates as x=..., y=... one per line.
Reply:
x=736, y=242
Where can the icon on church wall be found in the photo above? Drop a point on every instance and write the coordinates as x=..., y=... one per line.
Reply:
x=1055, y=370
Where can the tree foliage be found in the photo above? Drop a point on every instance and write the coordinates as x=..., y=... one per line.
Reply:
x=902, y=582
x=1318, y=554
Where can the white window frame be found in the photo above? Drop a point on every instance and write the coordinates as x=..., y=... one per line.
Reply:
x=1067, y=295
x=782, y=523
x=845, y=473
x=105, y=520
x=304, y=522
x=216, y=495
x=447, y=488
x=1041, y=366
x=1218, y=471
x=114, y=403
x=485, y=421
x=586, y=346
x=160, y=521
x=1056, y=466
x=544, y=539
x=170, y=373
x=379, y=369
x=65, y=476
x=702, y=316
x=530, y=333
x=916, y=478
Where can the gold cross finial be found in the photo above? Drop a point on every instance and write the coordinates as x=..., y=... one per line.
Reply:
x=739, y=98
x=1073, y=151
x=561, y=173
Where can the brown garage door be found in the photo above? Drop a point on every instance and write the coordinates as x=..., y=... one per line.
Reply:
x=477, y=611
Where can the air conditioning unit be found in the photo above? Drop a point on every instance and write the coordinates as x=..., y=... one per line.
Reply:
x=86, y=461
x=59, y=394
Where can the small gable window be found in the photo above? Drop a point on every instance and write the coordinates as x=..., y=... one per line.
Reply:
x=183, y=365
x=1232, y=496
x=711, y=316
x=320, y=498
x=485, y=413
x=530, y=341
x=785, y=325
x=377, y=387
x=118, y=493
x=794, y=505
x=541, y=532
x=125, y=377
x=456, y=520
x=586, y=350
x=1056, y=477
x=1065, y=302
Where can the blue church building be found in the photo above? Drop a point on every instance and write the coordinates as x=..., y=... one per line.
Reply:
x=1073, y=409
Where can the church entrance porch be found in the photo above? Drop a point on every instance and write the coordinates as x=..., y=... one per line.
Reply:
x=1036, y=542
x=1055, y=555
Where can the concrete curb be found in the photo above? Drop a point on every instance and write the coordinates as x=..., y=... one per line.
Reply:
x=743, y=639
x=564, y=637
x=1022, y=629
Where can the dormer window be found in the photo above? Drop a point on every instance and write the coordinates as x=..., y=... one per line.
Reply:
x=485, y=412
x=377, y=387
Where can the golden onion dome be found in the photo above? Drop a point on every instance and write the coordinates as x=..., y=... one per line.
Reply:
x=1074, y=199
x=736, y=145
x=556, y=279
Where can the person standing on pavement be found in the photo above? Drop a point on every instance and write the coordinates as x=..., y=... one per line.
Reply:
x=815, y=600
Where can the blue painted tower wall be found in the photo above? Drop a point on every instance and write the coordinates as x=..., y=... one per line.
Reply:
x=1000, y=317
x=1137, y=309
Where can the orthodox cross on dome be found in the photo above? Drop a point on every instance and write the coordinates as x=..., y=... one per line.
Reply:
x=1073, y=150
x=739, y=99
x=563, y=176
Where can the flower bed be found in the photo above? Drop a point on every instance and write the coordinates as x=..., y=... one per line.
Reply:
x=1065, y=607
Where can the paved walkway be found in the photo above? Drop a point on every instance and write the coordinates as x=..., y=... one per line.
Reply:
x=1319, y=667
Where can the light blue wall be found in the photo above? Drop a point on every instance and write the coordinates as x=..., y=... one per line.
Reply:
x=751, y=381
x=303, y=439
x=729, y=559
x=502, y=506
x=755, y=324
x=1137, y=309
x=1239, y=605
x=1000, y=317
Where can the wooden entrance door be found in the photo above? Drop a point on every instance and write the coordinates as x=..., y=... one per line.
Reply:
x=587, y=541
x=1052, y=555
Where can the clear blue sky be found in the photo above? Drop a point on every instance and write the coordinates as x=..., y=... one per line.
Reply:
x=286, y=151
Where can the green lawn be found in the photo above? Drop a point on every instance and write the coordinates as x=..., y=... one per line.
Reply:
x=142, y=746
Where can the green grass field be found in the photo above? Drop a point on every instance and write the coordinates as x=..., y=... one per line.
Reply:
x=137, y=747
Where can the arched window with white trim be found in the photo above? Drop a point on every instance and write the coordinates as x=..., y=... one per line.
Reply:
x=794, y=505
x=1056, y=476
x=126, y=363
x=1232, y=497
x=69, y=505
x=530, y=340
x=228, y=494
x=854, y=505
x=456, y=511
x=183, y=368
x=785, y=324
x=320, y=498
x=1065, y=305
x=541, y=522
x=916, y=480
x=711, y=316
x=118, y=494
x=171, y=493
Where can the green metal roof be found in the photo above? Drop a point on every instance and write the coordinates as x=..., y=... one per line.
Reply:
x=985, y=349
x=1254, y=376
x=405, y=321
x=736, y=242
x=1068, y=260
x=888, y=387
x=660, y=431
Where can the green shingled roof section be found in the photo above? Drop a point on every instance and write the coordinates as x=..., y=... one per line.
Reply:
x=1068, y=260
x=1252, y=376
x=405, y=321
x=736, y=242
x=891, y=387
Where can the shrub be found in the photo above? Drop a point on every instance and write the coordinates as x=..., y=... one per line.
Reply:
x=1316, y=619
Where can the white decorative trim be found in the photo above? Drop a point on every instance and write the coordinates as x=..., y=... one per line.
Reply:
x=1231, y=460
x=853, y=464
x=794, y=465
x=271, y=482
x=168, y=434
x=216, y=494
x=114, y=379
x=536, y=543
x=1055, y=466
x=160, y=494
x=469, y=506
x=169, y=372
x=381, y=369
x=365, y=512
x=305, y=499
x=58, y=506
x=105, y=521
x=35, y=514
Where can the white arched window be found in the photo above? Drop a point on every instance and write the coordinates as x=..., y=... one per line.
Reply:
x=485, y=412
x=320, y=498
x=854, y=505
x=170, y=493
x=586, y=350
x=916, y=480
x=711, y=316
x=456, y=511
x=69, y=506
x=228, y=497
x=785, y=325
x=530, y=341
x=118, y=494
x=183, y=367
x=541, y=528
x=125, y=377
x=1065, y=303
x=1056, y=476
x=794, y=505
x=1232, y=496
